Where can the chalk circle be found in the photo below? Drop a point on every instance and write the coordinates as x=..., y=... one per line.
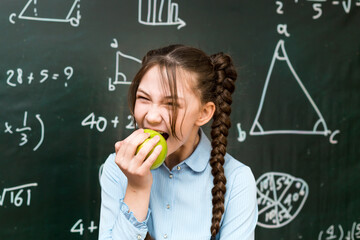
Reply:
x=280, y=198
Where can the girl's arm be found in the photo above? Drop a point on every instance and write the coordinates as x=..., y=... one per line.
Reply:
x=126, y=184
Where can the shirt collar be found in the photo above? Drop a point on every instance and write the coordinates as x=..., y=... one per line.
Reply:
x=199, y=159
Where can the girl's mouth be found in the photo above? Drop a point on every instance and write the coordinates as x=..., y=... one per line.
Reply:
x=165, y=135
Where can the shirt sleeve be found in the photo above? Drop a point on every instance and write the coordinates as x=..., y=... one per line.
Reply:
x=116, y=221
x=241, y=212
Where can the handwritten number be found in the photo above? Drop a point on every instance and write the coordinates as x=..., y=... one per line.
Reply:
x=11, y=74
x=317, y=8
x=279, y=9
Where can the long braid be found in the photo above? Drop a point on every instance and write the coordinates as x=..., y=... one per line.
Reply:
x=226, y=76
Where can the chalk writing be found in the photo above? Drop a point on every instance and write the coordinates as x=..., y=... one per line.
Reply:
x=17, y=77
x=317, y=6
x=242, y=134
x=32, y=11
x=78, y=227
x=16, y=195
x=100, y=123
x=336, y=232
x=280, y=198
x=123, y=64
x=152, y=13
x=25, y=129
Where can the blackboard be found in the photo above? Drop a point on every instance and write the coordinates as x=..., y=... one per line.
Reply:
x=65, y=67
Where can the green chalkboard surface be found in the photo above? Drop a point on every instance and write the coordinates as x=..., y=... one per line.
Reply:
x=65, y=68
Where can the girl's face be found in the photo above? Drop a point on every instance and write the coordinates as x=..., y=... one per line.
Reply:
x=153, y=107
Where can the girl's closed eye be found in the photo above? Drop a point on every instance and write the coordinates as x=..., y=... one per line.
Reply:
x=141, y=97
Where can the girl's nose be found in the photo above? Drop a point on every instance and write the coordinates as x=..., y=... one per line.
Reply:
x=153, y=116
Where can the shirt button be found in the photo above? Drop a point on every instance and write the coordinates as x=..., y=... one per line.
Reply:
x=170, y=176
x=139, y=236
x=168, y=206
x=165, y=236
x=178, y=168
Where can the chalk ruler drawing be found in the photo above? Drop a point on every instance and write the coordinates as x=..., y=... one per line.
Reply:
x=17, y=199
x=154, y=13
x=318, y=128
x=31, y=12
x=122, y=60
x=280, y=198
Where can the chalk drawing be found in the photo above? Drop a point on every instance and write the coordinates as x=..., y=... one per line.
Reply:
x=154, y=13
x=122, y=60
x=31, y=12
x=319, y=127
x=280, y=198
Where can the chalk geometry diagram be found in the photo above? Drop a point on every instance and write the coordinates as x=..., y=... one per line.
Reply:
x=153, y=13
x=280, y=198
x=318, y=128
x=124, y=64
x=41, y=10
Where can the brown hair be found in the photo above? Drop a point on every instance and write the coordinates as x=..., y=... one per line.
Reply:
x=215, y=82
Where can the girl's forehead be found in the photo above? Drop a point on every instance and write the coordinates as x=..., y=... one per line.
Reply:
x=163, y=79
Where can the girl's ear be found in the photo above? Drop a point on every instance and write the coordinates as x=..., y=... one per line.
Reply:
x=206, y=113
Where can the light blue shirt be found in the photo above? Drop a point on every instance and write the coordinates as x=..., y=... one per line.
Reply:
x=180, y=205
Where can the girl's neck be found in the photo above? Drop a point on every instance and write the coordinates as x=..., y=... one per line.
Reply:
x=183, y=152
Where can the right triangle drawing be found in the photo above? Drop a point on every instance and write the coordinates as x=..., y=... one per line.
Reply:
x=286, y=107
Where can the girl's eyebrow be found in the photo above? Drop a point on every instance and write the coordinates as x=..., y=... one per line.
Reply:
x=142, y=91
x=181, y=99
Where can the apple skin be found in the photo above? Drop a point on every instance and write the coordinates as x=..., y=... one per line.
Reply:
x=161, y=158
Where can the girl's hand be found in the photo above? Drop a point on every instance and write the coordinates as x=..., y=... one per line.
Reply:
x=135, y=167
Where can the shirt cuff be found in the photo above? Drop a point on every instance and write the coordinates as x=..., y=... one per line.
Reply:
x=124, y=208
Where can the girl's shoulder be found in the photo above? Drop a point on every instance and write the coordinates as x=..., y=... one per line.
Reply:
x=237, y=171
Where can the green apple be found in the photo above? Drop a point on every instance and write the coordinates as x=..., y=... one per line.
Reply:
x=161, y=158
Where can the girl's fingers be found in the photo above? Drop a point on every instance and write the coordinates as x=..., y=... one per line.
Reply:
x=152, y=158
x=146, y=149
x=133, y=143
x=121, y=146
x=117, y=146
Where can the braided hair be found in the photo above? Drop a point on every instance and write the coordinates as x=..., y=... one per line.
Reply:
x=226, y=76
x=214, y=82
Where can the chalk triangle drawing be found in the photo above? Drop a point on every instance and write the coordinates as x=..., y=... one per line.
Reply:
x=317, y=124
x=31, y=11
x=125, y=69
x=124, y=63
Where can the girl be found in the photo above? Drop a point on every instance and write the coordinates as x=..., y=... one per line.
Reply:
x=200, y=192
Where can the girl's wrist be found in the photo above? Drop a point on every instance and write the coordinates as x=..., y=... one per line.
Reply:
x=138, y=202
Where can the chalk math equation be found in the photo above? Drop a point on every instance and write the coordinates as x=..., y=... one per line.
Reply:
x=24, y=130
x=317, y=5
x=337, y=232
x=17, y=196
x=100, y=123
x=18, y=77
x=78, y=227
